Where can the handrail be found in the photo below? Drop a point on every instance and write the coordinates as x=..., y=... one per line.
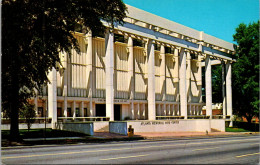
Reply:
x=23, y=120
x=199, y=116
x=31, y=118
x=80, y=117
x=85, y=118
x=169, y=116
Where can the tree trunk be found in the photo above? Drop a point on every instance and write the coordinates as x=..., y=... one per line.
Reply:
x=14, y=104
x=14, y=130
x=249, y=118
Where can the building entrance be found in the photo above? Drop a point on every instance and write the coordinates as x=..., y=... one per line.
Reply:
x=101, y=110
x=117, y=112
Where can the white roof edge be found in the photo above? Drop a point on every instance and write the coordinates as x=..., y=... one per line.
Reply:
x=150, y=18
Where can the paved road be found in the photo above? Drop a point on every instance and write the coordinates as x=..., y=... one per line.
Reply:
x=235, y=150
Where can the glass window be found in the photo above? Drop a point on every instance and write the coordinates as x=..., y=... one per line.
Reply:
x=77, y=112
x=40, y=112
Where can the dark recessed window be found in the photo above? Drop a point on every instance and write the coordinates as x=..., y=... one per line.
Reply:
x=77, y=112
x=156, y=47
x=193, y=56
x=100, y=34
x=120, y=38
x=137, y=42
x=169, y=50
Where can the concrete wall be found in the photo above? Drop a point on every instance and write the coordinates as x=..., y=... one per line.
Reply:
x=218, y=124
x=196, y=125
x=24, y=126
x=86, y=128
x=118, y=127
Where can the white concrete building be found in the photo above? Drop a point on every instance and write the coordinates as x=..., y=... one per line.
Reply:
x=148, y=69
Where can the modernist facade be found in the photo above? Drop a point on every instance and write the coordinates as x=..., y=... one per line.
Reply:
x=150, y=68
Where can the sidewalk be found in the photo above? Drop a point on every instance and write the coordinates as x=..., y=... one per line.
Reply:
x=179, y=135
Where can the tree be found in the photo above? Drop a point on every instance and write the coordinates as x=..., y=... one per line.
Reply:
x=28, y=113
x=217, y=83
x=34, y=32
x=245, y=72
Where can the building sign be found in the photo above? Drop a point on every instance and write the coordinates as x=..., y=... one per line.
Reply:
x=100, y=100
x=122, y=101
x=144, y=123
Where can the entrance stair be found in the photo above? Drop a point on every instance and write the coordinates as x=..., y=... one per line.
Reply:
x=103, y=129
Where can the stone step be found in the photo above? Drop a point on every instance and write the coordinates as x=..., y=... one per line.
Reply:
x=103, y=129
x=215, y=130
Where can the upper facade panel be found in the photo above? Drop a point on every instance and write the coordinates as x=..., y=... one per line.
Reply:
x=158, y=24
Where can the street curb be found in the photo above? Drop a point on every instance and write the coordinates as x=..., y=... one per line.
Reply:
x=32, y=142
x=186, y=137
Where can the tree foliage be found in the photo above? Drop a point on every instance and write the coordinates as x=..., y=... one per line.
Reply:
x=28, y=113
x=34, y=32
x=245, y=72
x=217, y=84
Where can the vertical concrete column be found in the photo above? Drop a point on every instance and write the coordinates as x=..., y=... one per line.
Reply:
x=132, y=110
x=52, y=96
x=178, y=110
x=94, y=109
x=168, y=110
x=164, y=107
x=165, y=110
x=109, y=45
x=188, y=81
x=81, y=109
x=143, y=107
x=172, y=110
x=208, y=85
x=176, y=75
x=64, y=62
x=182, y=84
x=89, y=73
x=229, y=91
x=224, y=103
x=163, y=76
x=163, y=73
x=65, y=107
x=131, y=67
x=45, y=108
x=131, y=81
x=188, y=77
x=196, y=110
x=151, y=81
x=199, y=81
x=138, y=111
x=73, y=108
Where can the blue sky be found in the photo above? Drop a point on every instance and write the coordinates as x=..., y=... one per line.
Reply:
x=218, y=18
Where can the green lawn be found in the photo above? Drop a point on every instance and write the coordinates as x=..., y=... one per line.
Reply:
x=40, y=133
x=232, y=129
x=243, y=127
